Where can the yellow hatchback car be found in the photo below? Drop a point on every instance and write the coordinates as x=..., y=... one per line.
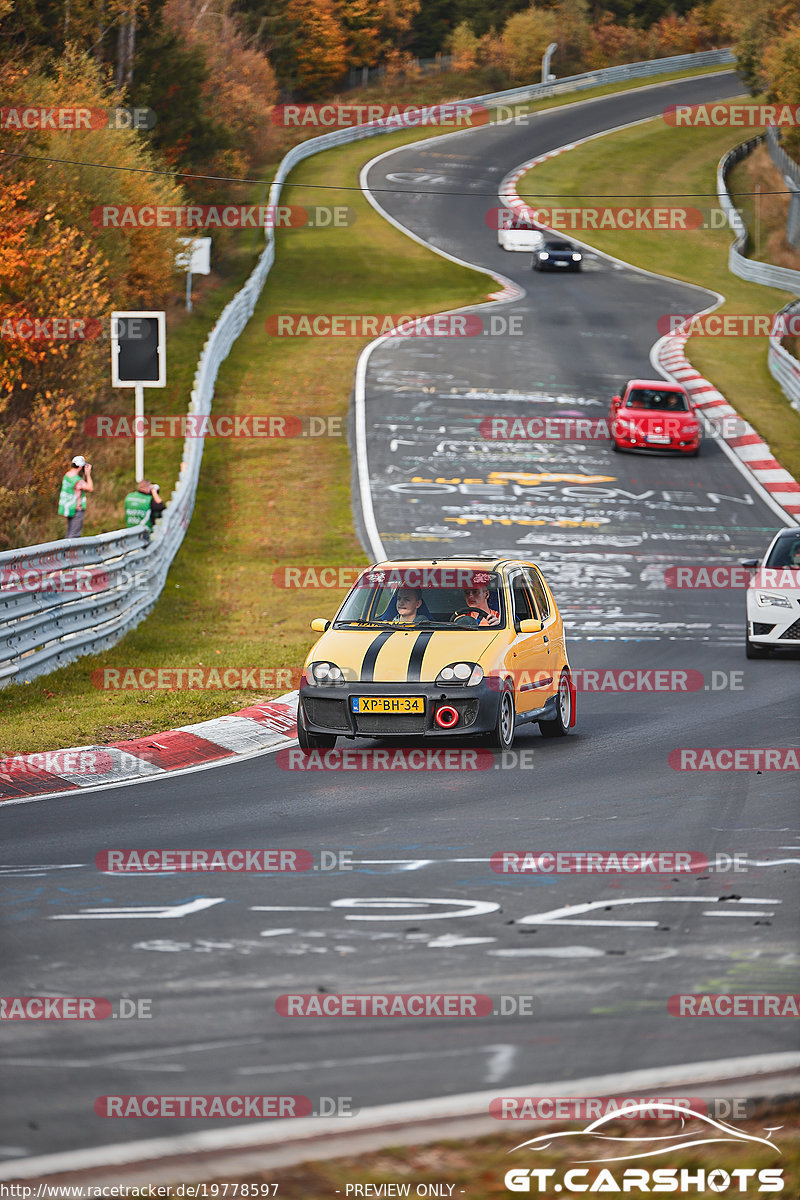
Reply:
x=437, y=648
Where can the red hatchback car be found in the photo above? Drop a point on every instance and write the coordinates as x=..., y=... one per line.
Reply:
x=654, y=415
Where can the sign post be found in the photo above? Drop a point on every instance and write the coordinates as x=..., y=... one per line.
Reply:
x=194, y=259
x=138, y=360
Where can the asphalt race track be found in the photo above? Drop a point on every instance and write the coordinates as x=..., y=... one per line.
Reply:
x=601, y=972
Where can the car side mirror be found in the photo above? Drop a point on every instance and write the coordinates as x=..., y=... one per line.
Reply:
x=530, y=626
x=752, y=563
x=616, y=399
x=320, y=624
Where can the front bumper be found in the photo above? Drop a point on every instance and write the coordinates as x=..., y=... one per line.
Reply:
x=769, y=626
x=675, y=445
x=329, y=710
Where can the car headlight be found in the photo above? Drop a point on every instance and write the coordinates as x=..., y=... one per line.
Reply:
x=577, y=257
x=543, y=254
x=324, y=673
x=466, y=673
x=767, y=599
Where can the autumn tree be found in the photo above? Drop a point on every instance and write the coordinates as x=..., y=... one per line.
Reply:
x=782, y=71
x=464, y=48
x=525, y=38
x=238, y=84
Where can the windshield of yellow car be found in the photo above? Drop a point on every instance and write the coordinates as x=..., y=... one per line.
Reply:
x=394, y=605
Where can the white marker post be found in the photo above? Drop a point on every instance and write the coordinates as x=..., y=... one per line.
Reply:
x=548, y=54
x=194, y=259
x=138, y=360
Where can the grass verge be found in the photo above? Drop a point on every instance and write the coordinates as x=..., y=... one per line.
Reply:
x=476, y=1168
x=737, y=366
x=261, y=505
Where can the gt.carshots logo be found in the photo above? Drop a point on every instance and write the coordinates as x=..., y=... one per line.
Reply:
x=687, y=1129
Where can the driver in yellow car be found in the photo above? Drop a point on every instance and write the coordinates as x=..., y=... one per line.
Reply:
x=477, y=602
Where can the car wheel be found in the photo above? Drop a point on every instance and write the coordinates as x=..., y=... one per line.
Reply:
x=559, y=726
x=615, y=446
x=502, y=737
x=752, y=649
x=312, y=741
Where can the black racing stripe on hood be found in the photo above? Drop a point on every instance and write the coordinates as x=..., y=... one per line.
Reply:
x=417, y=655
x=370, y=657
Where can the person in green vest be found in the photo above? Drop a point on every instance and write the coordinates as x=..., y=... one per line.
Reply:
x=143, y=504
x=72, y=499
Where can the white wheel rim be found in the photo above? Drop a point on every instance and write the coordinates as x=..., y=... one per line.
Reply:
x=564, y=702
x=506, y=718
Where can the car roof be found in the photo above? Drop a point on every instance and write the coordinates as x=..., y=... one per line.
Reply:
x=660, y=384
x=467, y=560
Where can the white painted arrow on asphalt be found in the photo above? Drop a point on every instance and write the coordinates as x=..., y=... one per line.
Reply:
x=156, y=912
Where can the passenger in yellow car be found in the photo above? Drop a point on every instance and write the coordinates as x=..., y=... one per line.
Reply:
x=477, y=608
x=409, y=603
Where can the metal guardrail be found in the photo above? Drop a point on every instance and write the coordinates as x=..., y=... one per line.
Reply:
x=783, y=366
x=123, y=573
x=791, y=174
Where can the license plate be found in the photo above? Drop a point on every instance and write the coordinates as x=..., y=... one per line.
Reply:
x=388, y=704
x=658, y=439
x=561, y=264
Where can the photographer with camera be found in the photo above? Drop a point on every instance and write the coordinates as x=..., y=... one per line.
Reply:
x=72, y=500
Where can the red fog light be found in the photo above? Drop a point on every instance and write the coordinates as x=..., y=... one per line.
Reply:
x=446, y=716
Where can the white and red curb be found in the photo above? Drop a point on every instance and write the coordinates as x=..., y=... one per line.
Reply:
x=751, y=449
x=260, y=727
